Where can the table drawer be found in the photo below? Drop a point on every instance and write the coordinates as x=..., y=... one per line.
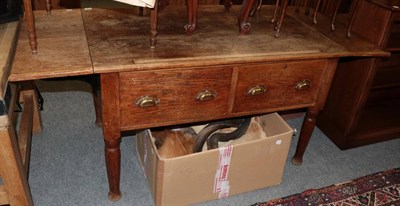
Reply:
x=173, y=95
x=265, y=86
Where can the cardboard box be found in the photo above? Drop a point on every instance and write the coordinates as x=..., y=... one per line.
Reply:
x=213, y=174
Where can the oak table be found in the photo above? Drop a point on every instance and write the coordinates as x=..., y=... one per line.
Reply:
x=240, y=75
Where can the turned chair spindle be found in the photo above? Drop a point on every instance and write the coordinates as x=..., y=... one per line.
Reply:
x=30, y=21
x=317, y=7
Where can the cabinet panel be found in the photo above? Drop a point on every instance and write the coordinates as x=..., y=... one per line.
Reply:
x=389, y=77
x=367, y=110
x=394, y=35
x=281, y=83
x=170, y=95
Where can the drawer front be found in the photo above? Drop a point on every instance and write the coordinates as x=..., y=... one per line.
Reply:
x=284, y=85
x=173, y=95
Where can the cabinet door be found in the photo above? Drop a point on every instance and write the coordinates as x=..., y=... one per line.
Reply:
x=173, y=96
x=278, y=86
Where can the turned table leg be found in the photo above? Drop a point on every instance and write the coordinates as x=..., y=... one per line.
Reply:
x=31, y=25
x=243, y=19
x=113, y=163
x=310, y=119
x=305, y=135
x=111, y=131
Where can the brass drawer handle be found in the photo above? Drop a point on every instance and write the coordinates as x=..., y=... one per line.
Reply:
x=257, y=90
x=305, y=84
x=206, y=95
x=147, y=101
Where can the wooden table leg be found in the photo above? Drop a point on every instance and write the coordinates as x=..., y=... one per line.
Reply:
x=312, y=112
x=31, y=25
x=243, y=19
x=111, y=131
x=192, y=16
x=305, y=135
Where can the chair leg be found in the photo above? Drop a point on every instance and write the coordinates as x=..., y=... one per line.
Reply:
x=48, y=7
x=192, y=16
x=308, y=7
x=298, y=5
x=316, y=12
x=275, y=16
x=227, y=5
x=353, y=15
x=153, y=25
x=31, y=25
x=281, y=18
x=334, y=15
x=243, y=19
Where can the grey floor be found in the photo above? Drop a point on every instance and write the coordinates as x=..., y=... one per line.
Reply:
x=68, y=168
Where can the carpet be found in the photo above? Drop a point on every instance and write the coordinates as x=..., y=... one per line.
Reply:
x=382, y=188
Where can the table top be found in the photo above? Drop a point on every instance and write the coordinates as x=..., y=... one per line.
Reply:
x=62, y=47
x=119, y=40
x=77, y=42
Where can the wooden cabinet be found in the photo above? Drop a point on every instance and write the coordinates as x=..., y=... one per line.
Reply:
x=363, y=106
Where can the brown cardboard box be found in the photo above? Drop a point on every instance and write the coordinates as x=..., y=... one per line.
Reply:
x=196, y=177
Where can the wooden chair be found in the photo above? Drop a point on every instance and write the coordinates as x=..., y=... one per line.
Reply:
x=317, y=6
x=15, y=152
x=190, y=27
x=277, y=17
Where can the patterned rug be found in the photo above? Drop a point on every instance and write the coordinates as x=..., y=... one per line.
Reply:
x=382, y=188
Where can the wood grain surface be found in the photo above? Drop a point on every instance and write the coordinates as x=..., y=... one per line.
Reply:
x=62, y=48
x=119, y=40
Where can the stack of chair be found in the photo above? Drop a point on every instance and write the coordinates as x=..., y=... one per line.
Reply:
x=15, y=145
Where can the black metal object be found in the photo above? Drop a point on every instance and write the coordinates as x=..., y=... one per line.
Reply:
x=210, y=134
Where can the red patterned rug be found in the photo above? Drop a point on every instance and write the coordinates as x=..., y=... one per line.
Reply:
x=382, y=188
